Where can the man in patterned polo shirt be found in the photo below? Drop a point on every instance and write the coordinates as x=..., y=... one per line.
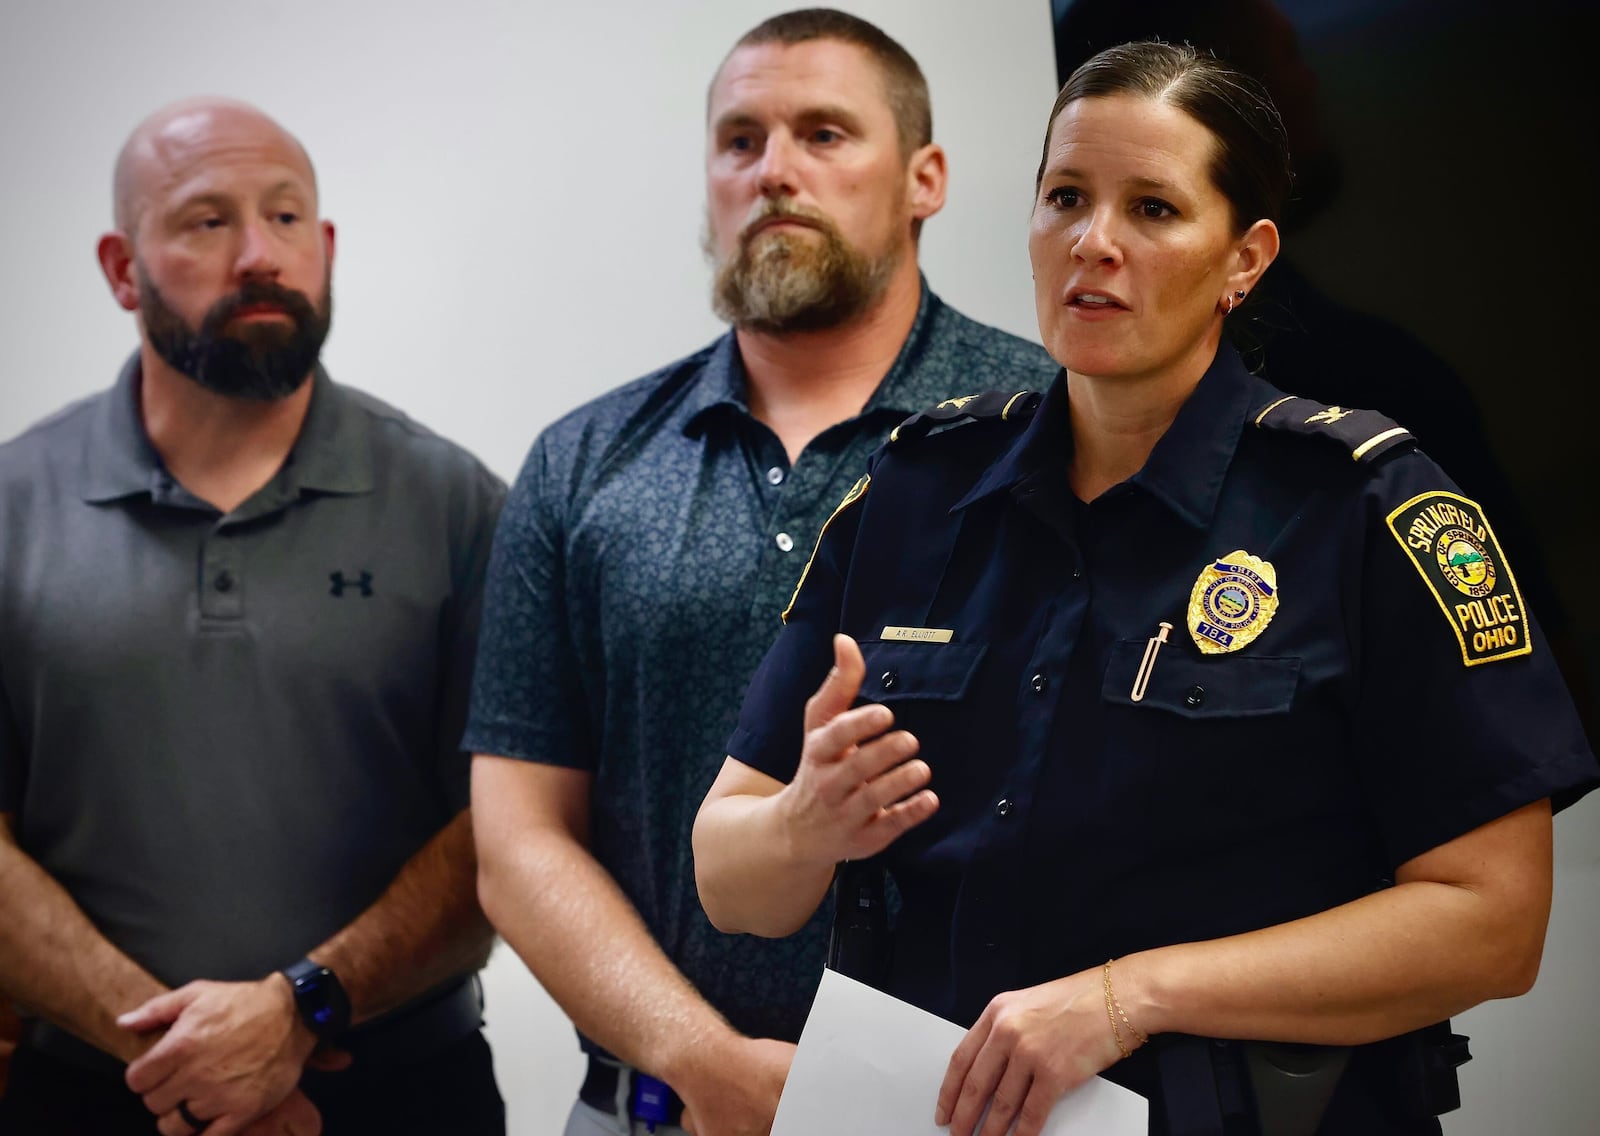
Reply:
x=651, y=542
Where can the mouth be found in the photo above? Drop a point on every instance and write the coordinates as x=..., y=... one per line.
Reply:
x=1090, y=301
x=769, y=224
x=260, y=311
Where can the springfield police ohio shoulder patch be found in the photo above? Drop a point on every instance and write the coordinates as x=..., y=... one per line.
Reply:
x=1456, y=552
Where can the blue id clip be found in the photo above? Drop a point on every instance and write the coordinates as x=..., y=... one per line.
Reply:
x=652, y=1100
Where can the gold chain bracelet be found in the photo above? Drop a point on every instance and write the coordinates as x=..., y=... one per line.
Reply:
x=1112, y=1003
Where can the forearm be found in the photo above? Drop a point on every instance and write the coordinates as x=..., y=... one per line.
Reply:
x=750, y=876
x=585, y=943
x=1390, y=962
x=54, y=963
x=426, y=927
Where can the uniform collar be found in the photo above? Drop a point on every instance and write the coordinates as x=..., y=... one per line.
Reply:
x=919, y=377
x=1186, y=468
x=333, y=453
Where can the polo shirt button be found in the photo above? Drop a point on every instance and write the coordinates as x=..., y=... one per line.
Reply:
x=775, y=476
x=1002, y=808
x=1040, y=681
x=1195, y=696
x=223, y=581
x=785, y=542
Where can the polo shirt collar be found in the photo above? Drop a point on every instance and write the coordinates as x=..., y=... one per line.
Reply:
x=333, y=453
x=919, y=377
x=1186, y=468
x=118, y=459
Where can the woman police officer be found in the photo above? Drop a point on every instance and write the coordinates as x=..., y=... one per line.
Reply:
x=1229, y=687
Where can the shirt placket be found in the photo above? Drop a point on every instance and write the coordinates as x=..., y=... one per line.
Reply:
x=994, y=900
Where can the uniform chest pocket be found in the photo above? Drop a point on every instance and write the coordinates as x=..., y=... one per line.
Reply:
x=935, y=672
x=1221, y=686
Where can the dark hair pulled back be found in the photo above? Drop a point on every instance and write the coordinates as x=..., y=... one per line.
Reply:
x=1251, y=164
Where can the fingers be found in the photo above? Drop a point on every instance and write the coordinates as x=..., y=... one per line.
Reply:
x=146, y=1075
x=162, y=1010
x=1008, y=1099
x=687, y=1122
x=839, y=690
x=887, y=827
x=327, y=1059
x=955, y=1074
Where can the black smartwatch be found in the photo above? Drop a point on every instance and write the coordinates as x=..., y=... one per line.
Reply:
x=319, y=998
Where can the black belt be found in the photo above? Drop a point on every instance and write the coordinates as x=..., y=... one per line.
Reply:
x=600, y=1090
x=412, y=1033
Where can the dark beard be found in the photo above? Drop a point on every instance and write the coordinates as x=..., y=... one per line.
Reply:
x=776, y=282
x=262, y=362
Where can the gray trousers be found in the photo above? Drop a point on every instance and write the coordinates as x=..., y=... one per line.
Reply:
x=586, y=1121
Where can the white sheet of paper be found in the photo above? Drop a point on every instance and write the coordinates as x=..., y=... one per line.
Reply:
x=871, y=1065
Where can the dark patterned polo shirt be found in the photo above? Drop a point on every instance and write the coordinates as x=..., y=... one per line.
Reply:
x=650, y=544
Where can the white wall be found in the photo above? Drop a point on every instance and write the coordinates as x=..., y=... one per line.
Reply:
x=518, y=193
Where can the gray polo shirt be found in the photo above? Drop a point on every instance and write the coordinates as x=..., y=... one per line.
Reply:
x=225, y=734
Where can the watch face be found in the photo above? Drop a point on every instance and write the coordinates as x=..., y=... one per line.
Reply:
x=320, y=999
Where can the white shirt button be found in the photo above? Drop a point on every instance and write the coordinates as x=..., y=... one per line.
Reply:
x=775, y=476
x=785, y=542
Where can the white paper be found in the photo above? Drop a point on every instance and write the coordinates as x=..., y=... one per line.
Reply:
x=871, y=1065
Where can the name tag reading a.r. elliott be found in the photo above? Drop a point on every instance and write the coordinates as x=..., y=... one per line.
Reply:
x=917, y=634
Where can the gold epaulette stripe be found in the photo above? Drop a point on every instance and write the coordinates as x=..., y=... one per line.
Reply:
x=1274, y=406
x=857, y=491
x=1005, y=414
x=1377, y=439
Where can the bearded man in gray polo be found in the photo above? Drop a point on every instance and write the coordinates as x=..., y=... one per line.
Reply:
x=238, y=611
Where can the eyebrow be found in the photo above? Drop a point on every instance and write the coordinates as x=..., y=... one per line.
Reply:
x=217, y=199
x=835, y=113
x=1136, y=182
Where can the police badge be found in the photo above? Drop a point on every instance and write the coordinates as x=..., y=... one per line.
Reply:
x=1232, y=602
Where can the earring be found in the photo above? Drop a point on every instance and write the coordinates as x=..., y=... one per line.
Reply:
x=1233, y=299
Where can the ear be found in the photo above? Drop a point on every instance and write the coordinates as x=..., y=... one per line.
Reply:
x=1256, y=251
x=115, y=252
x=927, y=175
x=328, y=241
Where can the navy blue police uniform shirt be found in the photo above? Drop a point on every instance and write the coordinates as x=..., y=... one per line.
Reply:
x=1396, y=693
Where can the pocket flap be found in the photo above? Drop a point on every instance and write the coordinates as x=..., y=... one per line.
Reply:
x=918, y=670
x=1221, y=686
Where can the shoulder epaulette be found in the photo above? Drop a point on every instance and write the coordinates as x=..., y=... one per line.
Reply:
x=1006, y=406
x=1365, y=434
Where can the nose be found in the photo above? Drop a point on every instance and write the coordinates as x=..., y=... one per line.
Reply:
x=776, y=172
x=258, y=253
x=1097, y=240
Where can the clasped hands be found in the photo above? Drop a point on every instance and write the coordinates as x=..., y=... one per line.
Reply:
x=858, y=787
x=232, y=1055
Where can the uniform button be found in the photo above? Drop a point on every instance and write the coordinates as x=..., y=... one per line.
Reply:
x=223, y=581
x=1077, y=573
x=1195, y=696
x=1002, y=808
x=785, y=542
x=775, y=476
x=1040, y=681
x=888, y=680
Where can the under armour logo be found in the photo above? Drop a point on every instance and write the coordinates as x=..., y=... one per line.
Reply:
x=364, y=582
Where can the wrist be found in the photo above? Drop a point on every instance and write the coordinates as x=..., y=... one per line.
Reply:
x=685, y=1066
x=280, y=993
x=1137, y=985
x=799, y=854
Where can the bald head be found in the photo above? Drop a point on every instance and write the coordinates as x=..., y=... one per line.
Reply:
x=165, y=145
